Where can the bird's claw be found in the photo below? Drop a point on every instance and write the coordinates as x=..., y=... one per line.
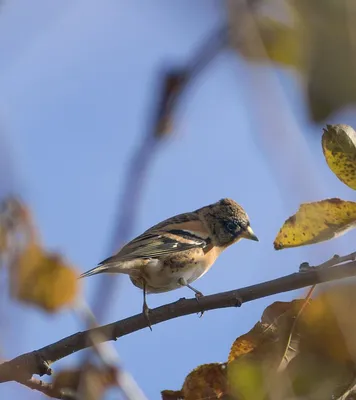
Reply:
x=198, y=295
x=239, y=301
x=146, y=312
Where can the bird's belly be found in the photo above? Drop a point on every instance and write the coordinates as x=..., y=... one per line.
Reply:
x=161, y=277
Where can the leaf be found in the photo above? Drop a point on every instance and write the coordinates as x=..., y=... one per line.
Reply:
x=339, y=147
x=258, y=335
x=44, y=279
x=206, y=381
x=16, y=224
x=262, y=38
x=257, y=357
x=247, y=378
x=316, y=222
x=330, y=65
x=171, y=395
x=313, y=376
x=91, y=380
x=328, y=325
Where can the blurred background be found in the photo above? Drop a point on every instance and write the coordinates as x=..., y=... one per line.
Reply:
x=99, y=149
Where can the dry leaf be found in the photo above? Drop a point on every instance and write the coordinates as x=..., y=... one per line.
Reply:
x=316, y=222
x=206, y=381
x=172, y=395
x=44, y=279
x=278, y=309
x=257, y=336
x=257, y=357
x=339, y=147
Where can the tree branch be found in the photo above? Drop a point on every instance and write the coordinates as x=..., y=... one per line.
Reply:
x=38, y=362
x=43, y=387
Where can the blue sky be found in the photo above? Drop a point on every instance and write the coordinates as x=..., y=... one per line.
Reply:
x=76, y=87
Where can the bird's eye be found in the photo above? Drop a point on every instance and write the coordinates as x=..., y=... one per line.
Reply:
x=231, y=226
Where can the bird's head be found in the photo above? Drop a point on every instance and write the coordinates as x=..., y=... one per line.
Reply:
x=227, y=222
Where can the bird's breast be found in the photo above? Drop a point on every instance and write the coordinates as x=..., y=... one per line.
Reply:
x=164, y=274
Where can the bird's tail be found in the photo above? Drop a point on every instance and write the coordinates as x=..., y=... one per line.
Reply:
x=94, y=271
x=110, y=264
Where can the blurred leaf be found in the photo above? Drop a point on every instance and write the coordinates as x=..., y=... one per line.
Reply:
x=16, y=225
x=247, y=378
x=44, y=279
x=208, y=381
x=339, y=147
x=328, y=326
x=316, y=222
x=92, y=381
x=329, y=29
x=318, y=377
x=260, y=38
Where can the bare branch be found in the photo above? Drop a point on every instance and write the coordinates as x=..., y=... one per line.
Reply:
x=37, y=362
x=43, y=387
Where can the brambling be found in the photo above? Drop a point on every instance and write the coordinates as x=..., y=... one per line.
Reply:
x=179, y=250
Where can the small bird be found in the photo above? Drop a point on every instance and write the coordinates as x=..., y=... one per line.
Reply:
x=179, y=250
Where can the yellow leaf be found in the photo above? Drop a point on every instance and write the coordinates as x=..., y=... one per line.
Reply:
x=207, y=381
x=316, y=222
x=44, y=279
x=339, y=147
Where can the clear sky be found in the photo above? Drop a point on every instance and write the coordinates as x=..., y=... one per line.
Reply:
x=76, y=89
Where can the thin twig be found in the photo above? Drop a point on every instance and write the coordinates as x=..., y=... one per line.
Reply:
x=335, y=260
x=38, y=362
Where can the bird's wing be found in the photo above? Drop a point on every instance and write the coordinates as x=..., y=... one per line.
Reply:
x=176, y=234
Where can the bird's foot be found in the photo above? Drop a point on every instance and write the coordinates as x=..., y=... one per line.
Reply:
x=199, y=295
x=239, y=301
x=146, y=313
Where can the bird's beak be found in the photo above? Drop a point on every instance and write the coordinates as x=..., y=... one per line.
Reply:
x=248, y=234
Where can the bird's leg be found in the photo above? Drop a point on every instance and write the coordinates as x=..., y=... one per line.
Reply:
x=145, y=308
x=198, y=294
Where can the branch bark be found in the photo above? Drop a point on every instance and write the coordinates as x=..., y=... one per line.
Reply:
x=38, y=362
x=43, y=387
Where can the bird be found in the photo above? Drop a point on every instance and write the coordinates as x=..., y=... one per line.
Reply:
x=179, y=250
